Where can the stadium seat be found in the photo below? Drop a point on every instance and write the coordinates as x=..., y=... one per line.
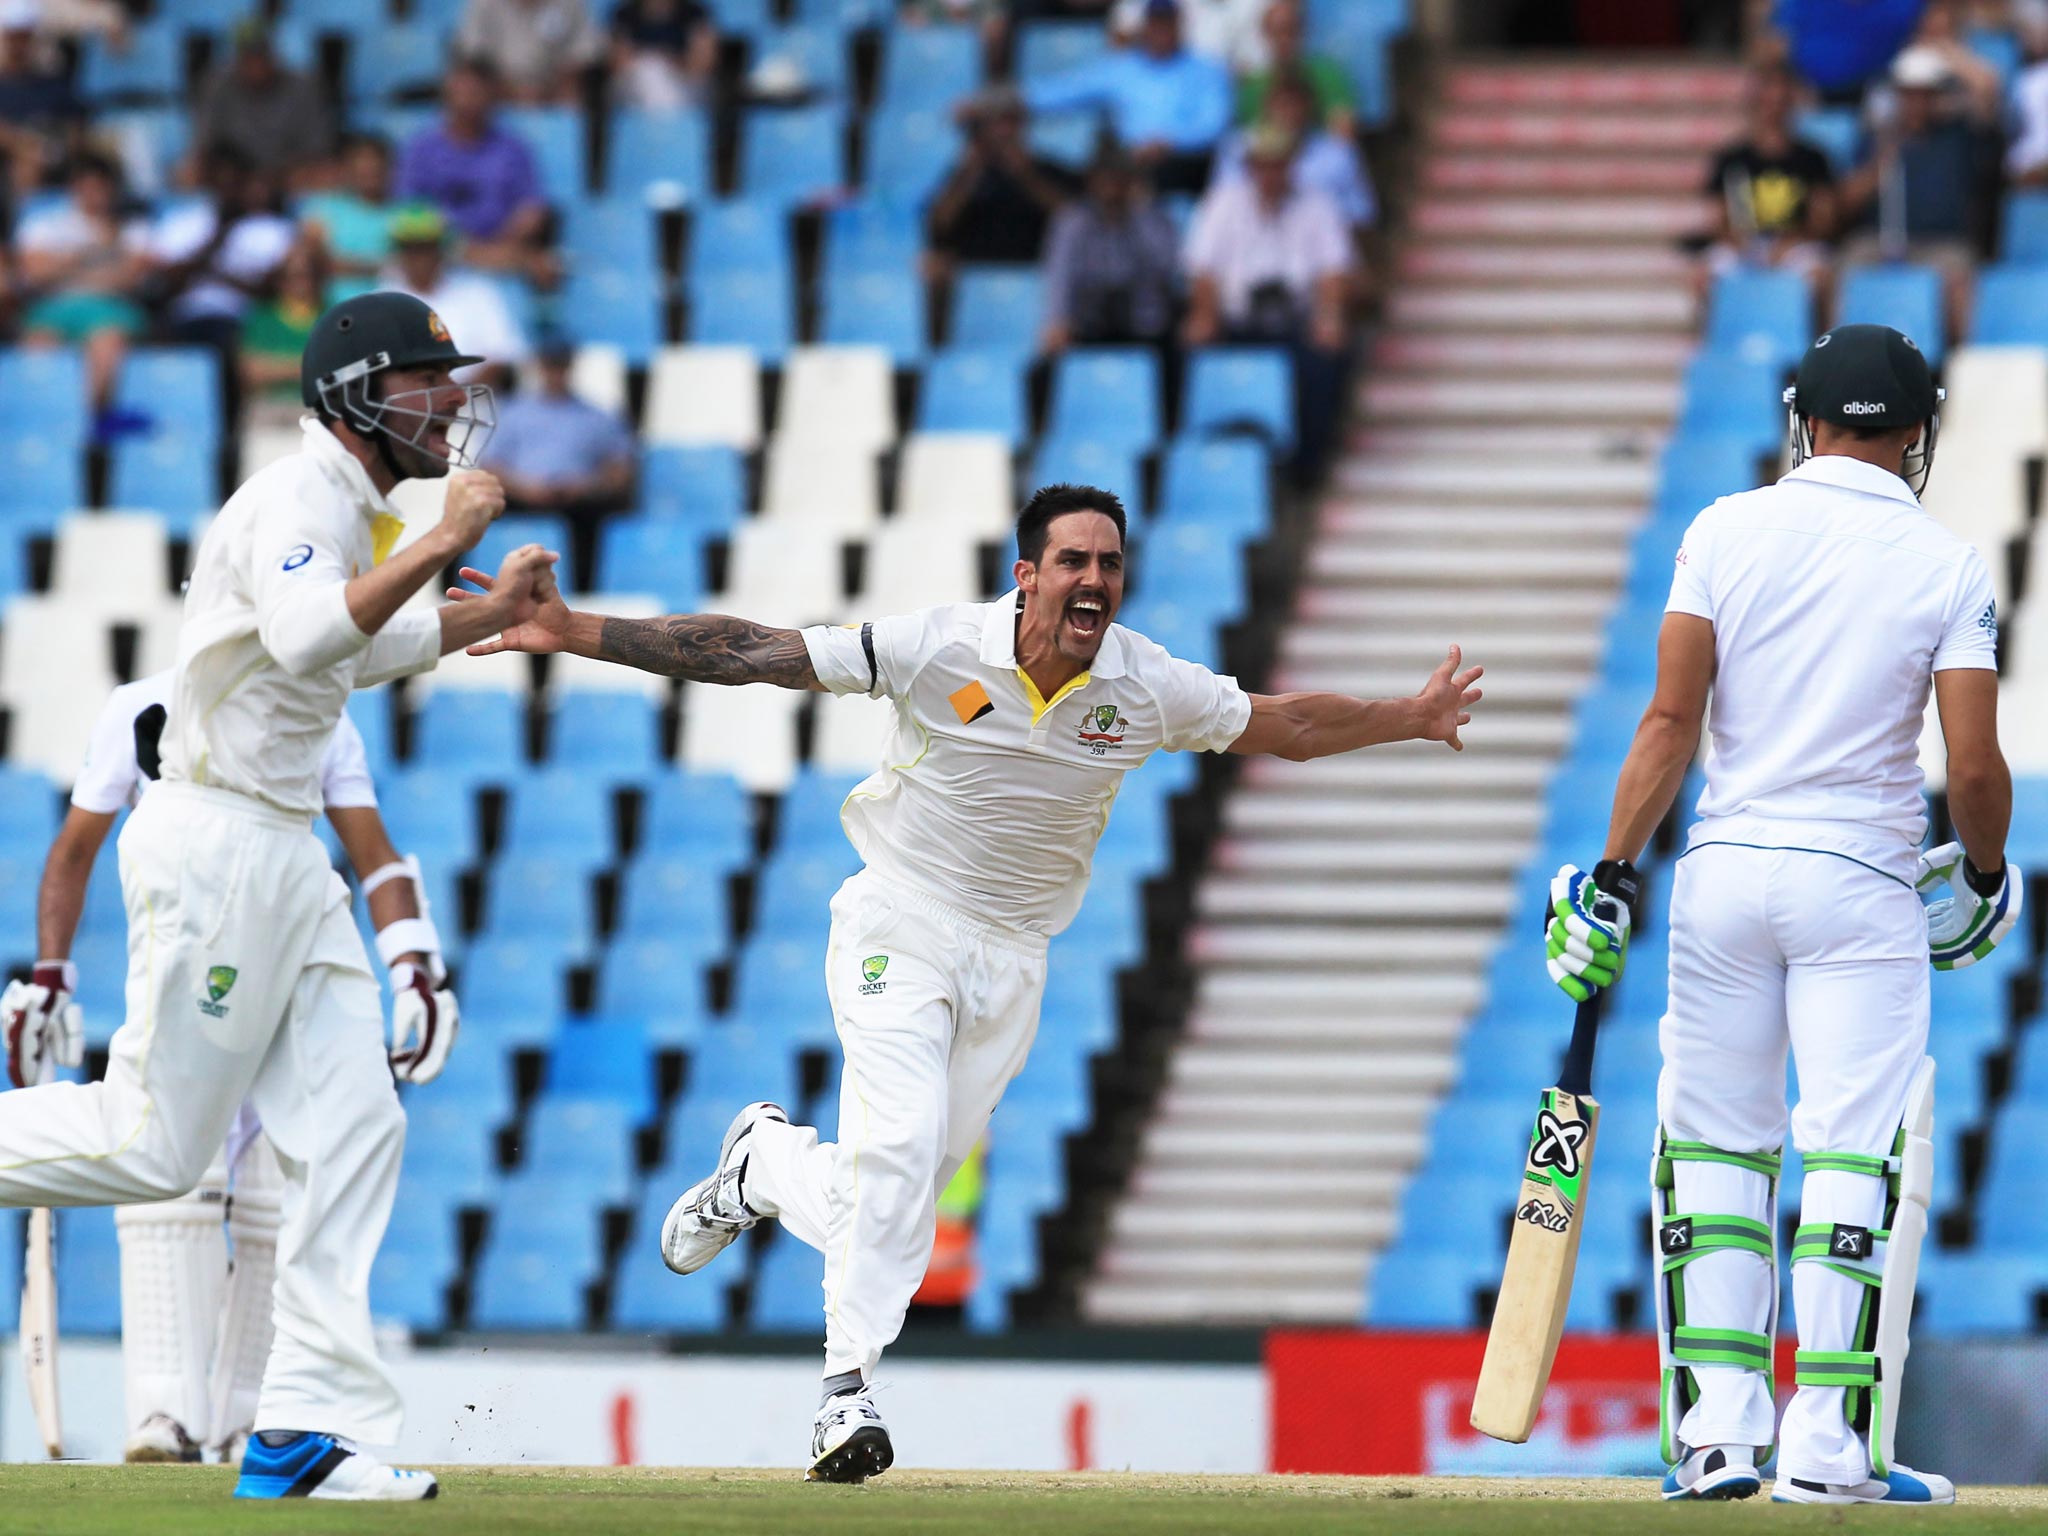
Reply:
x=842, y=394
x=665, y=558
x=675, y=899
x=826, y=486
x=43, y=395
x=168, y=471
x=615, y=305
x=1836, y=131
x=808, y=822
x=916, y=561
x=597, y=375
x=929, y=67
x=481, y=735
x=778, y=991
x=1240, y=391
x=1065, y=138
x=430, y=813
x=1729, y=395
x=1227, y=482
x=749, y=733
x=2024, y=228
x=419, y=1257
x=562, y=813
x=1047, y=48
x=792, y=154
x=789, y=1295
x=742, y=18
x=1426, y=1289
x=1088, y=462
x=1698, y=468
x=870, y=234
x=609, y=736
x=658, y=157
x=852, y=731
x=2010, y=307
x=998, y=309
x=964, y=479
x=513, y=530
x=476, y=1088
x=740, y=234
x=149, y=65
x=556, y=137
x=88, y=1271
x=449, y=1140
x=1107, y=395
x=543, y=897
x=909, y=152
x=181, y=382
x=1766, y=316
x=1906, y=298
x=816, y=56
x=741, y=308
x=39, y=478
x=704, y=486
x=968, y=390
x=587, y=1143
x=704, y=817
x=699, y=396
x=1977, y=1293
x=115, y=564
x=540, y=1254
x=615, y=232
x=876, y=309
x=650, y=1297
x=607, y=1061
x=657, y=984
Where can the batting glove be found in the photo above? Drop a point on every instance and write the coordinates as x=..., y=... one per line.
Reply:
x=1966, y=925
x=1587, y=926
x=423, y=1024
x=42, y=1024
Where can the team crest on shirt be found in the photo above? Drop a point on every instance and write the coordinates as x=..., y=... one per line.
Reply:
x=871, y=970
x=220, y=981
x=1102, y=727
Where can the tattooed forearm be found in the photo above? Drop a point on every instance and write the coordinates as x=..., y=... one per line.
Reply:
x=710, y=648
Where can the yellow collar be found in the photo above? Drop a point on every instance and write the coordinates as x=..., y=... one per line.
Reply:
x=1039, y=703
x=384, y=532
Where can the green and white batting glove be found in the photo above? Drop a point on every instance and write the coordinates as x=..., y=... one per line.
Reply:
x=1966, y=925
x=1587, y=926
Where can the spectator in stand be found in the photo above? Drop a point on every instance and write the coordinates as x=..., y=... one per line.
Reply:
x=999, y=198
x=538, y=49
x=1323, y=161
x=558, y=453
x=664, y=53
x=1111, y=267
x=1927, y=182
x=2026, y=162
x=82, y=262
x=482, y=176
x=1770, y=195
x=274, y=118
x=470, y=305
x=1335, y=101
x=1270, y=264
x=210, y=261
x=352, y=222
x=1227, y=31
x=275, y=333
x=40, y=116
x=1842, y=46
x=1168, y=105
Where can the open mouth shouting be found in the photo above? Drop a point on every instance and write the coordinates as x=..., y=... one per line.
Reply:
x=1087, y=618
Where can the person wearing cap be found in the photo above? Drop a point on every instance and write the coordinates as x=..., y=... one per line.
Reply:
x=555, y=451
x=1167, y=105
x=247, y=977
x=1819, y=613
x=1112, y=265
x=471, y=304
x=276, y=119
x=998, y=199
x=481, y=175
x=1324, y=161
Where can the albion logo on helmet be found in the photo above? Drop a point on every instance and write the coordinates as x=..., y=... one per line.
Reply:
x=1863, y=408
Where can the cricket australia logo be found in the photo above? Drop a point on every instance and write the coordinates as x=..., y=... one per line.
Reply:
x=871, y=970
x=1102, y=728
x=220, y=981
x=1557, y=1144
x=1540, y=1213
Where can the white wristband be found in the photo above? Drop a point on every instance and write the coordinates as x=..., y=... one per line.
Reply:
x=411, y=935
x=397, y=869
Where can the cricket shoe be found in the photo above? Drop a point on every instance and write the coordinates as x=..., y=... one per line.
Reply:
x=713, y=1212
x=297, y=1464
x=160, y=1438
x=849, y=1441
x=1713, y=1472
x=1902, y=1485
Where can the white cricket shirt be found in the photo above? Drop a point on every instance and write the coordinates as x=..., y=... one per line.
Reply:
x=268, y=653
x=991, y=798
x=1834, y=600
x=111, y=777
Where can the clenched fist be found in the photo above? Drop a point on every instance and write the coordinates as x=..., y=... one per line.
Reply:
x=475, y=498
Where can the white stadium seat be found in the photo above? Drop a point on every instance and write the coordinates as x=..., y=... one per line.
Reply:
x=965, y=477
x=51, y=731
x=853, y=731
x=747, y=732
x=263, y=446
x=156, y=645
x=112, y=563
x=52, y=648
x=824, y=485
x=917, y=562
x=598, y=374
x=784, y=573
x=704, y=395
x=838, y=394
x=584, y=674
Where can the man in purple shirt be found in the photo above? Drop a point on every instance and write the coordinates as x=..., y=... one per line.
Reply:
x=481, y=176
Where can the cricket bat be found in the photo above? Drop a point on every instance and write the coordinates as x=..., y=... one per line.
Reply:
x=39, y=1318
x=1543, y=1249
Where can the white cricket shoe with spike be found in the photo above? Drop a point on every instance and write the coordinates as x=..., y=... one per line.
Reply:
x=849, y=1441
x=713, y=1212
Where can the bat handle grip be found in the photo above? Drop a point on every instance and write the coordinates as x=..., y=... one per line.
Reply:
x=1576, y=1077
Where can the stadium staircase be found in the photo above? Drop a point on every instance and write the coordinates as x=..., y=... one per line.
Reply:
x=1506, y=447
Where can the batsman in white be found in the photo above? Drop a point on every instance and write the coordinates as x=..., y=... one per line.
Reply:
x=1819, y=612
x=1015, y=722
x=196, y=1331
x=246, y=977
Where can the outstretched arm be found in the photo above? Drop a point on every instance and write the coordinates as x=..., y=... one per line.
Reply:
x=1300, y=726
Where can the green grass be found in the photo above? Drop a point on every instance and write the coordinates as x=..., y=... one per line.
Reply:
x=479, y=1501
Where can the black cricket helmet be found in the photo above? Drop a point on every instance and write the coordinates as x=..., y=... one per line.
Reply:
x=372, y=333
x=1867, y=376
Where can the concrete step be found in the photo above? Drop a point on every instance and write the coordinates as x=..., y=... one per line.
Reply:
x=1438, y=261
x=1219, y=1067
x=1690, y=136
x=1353, y=901
x=1404, y=523
x=1359, y=951
x=1575, y=173
x=1376, y=650
x=1546, y=308
x=1608, y=84
x=1616, y=220
x=1485, y=771
x=1549, y=440
x=1524, y=398
x=1451, y=565
x=1363, y=814
x=1363, y=1035
x=1160, y=1296
x=1254, y=1227
x=1648, y=355
x=1225, y=991
x=1437, y=606
x=1629, y=483
x=1354, y=1188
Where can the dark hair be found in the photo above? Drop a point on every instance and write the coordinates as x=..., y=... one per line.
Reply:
x=474, y=64
x=351, y=142
x=1052, y=501
x=92, y=163
x=1291, y=80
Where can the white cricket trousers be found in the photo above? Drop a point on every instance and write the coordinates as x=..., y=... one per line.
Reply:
x=245, y=978
x=936, y=1012
x=1771, y=947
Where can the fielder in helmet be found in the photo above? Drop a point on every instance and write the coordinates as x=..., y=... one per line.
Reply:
x=379, y=368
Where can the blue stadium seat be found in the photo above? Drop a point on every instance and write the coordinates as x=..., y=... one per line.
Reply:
x=968, y=390
x=929, y=66
x=789, y=1294
x=587, y=1143
x=563, y=814
x=809, y=820
x=659, y=983
x=798, y=889
x=1227, y=482
x=421, y=1253
x=539, y=1256
x=1107, y=395
x=1065, y=138
x=1836, y=131
x=649, y=1296
x=1906, y=298
x=818, y=52
x=30, y=809
x=608, y=1061
x=665, y=558
x=706, y=486
x=792, y=154
x=1966, y=1293
x=556, y=137
x=745, y=309
x=2023, y=230
x=1727, y=394
x=18, y=880
x=742, y=17
x=1007, y=1255
x=614, y=232
x=1698, y=468
x=102, y=961
x=704, y=817
x=369, y=711
x=1427, y=1288
x=869, y=234
x=881, y=309
x=1764, y=315
x=658, y=155
x=998, y=309
x=396, y=58
x=740, y=234
x=1046, y=48
x=1053, y=1092
x=1077, y=461
x=617, y=306
x=671, y=898
x=43, y=395
x=2011, y=307
x=909, y=152
x=449, y=1142
x=608, y=737
x=543, y=898
x=477, y=1084
x=1237, y=390
x=475, y=732
x=183, y=381
x=432, y=814
x=14, y=556
x=1196, y=563
x=778, y=991
x=88, y=1271
x=842, y=15
x=150, y=65
x=514, y=531
x=511, y=992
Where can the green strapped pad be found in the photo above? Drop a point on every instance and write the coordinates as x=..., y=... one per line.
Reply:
x=1848, y=1162
x=1721, y=1346
x=1765, y=1163
x=1835, y=1368
x=1857, y=1252
x=1681, y=1239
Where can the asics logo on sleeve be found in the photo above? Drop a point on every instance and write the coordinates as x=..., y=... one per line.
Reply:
x=298, y=557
